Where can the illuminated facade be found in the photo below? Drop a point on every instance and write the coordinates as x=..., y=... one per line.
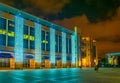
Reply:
x=87, y=52
x=114, y=59
x=30, y=42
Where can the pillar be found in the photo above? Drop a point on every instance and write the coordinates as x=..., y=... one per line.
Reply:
x=18, y=49
x=38, y=53
x=74, y=49
x=52, y=47
x=64, y=49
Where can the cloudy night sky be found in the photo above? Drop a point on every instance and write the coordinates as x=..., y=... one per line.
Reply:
x=99, y=19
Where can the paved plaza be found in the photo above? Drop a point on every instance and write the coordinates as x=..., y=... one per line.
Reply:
x=64, y=75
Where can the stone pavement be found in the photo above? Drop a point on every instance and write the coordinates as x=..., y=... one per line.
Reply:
x=63, y=75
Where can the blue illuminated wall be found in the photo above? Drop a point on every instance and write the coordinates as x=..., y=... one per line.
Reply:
x=19, y=24
x=37, y=42
x=52, y=46
x=63, y=48
x=74, y=49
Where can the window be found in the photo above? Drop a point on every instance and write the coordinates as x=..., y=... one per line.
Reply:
x=47, y=41
x=60, y=44
x=56, y=43
x=25, y=36
x=10, y=34
x=2, y=23
x=43, y=39
x=3, y=31
x=70, y=51
x=31, y=38
x=29, y=35
x=68, y=45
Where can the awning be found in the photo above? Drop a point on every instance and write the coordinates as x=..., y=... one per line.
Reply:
x=5, y=55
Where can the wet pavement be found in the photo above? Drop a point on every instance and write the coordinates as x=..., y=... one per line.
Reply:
x=63, y=75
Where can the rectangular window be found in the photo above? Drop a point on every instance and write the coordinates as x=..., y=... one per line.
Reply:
x=25, y=37
x=60, y=44
x=11, y=33
x=45, y=37
x=3, y=31
x=31, y=38
x=56, y=43
x=67, y=46
x=70, y=46
x=2, y=23
x=3, y=38
x=47, y=41
x=26, y=29
x=43, y=40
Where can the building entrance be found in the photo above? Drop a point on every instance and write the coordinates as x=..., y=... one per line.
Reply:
x=28, y=61
x=5, y=59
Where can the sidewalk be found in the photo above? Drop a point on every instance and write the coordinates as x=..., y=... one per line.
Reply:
x=104, y=75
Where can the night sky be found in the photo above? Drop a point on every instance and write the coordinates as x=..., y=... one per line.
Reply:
x=99, y=19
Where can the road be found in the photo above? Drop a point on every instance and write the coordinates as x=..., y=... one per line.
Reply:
x=64, y=75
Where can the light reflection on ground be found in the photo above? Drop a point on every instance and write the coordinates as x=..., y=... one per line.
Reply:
x=65, y=75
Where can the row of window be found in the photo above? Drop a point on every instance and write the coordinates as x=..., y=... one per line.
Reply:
x=7, y=35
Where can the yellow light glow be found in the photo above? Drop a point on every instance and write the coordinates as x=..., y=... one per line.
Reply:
x=84, y=62
x=11, y=34
x=31, y=38
x=12, y=25
x=45, y=41
x=3, y=32
x=25, y=36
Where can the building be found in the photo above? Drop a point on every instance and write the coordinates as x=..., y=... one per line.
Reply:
x=87, y=51
x=27, y=41
x=114, y=59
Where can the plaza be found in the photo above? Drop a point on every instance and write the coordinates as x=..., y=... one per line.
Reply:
x=64, y=75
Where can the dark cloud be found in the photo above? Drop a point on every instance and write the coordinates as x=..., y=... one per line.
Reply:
x=41, y=7
x=95, y=10
x=107, y=33
x=48, y=9
x=9, y=2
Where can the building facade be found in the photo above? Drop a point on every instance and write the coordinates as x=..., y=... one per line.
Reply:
x=30, y=42
x=113, y=59
x=87, y=51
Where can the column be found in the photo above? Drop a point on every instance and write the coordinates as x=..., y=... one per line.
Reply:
x=64, y=49
x=38, y=53
x=18, y=49
x=1, y=38
x=52, y=47
x=74, y=50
